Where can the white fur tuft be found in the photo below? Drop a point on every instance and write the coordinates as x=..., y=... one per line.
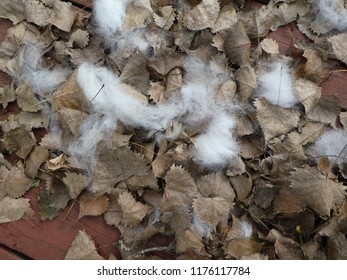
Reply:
x=333, y=144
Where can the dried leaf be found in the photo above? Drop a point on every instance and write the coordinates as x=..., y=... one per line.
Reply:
x=243, y=185
x=212, y=210
x=133, y=211
x=79, y=37
x=226, y=19
x=166, y=18
x=75, y=183
x=82, y=248
x=14, y=209
x=47, y=210
x=19, y=141
x=71, y=119
x=275, y=120
x=237, y=45
x=14, y=181
x=270, y=46
x=326, y=110
x=26, y=99
x=216, y=185
x=308, y=93
x=7, y=95
x=241, y=228
x=135, y=17
x=58, y=162
x=316, y=191
x=38, y=156
x=202, y=16
x=339, y=45
x=113, y=215
x=92, y=205
x=13, y=10
x=164, y=61
x=239, y=248
x=189, y=241
x=286, y=248
x=314, y=68
x=246, y=80
x=286, y=202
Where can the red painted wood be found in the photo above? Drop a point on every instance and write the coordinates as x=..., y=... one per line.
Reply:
x=6, y=254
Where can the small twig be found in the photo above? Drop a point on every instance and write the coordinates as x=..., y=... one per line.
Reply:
x=149, y=250
x=279, y=88
x=97, y=93
x=67, y=213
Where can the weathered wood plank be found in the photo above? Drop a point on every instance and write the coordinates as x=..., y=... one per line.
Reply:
x=6, y=254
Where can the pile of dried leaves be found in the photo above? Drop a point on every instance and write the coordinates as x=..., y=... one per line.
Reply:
x=274, y=201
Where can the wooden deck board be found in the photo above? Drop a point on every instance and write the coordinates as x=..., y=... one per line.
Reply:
x=38, y=239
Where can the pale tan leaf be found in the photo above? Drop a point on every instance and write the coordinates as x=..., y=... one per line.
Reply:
x=237, y=45
x=113, y=215
x=216, y=185
x=189, y=241
x=166, y=18
x=7, y=95
x=227, y=18
x=58, y=162
x=255, y=257
x=13, y=10
x=82, y=248
x=71, y=120
x=202, y=16
x=14, y=181
x=79, y=37
x=275, y=120
x=226, y=92
x=75, y=183
x=165, y=60
x=339, y=45
x=314, y=68
x=14, y=209
x=239, y=248
x=64, y=16
x=133, y=211
x=213, y=210
x=38, y=156
x=316, y=191
x=37, y=12
x=33, y=120
x=308, y=93
x=162, y=162
x=135, y=17
x=92, y=205
x=270, y=46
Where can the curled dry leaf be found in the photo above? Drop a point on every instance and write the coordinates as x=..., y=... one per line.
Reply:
x=82, y=248
x=14, y=209
x=79, y=37
x=92, y=205
x=58, y=162
x=133, y=211
x=202, y=16
x=316, y=191
x=270, y=46
x=38, y=156
x=12, y=10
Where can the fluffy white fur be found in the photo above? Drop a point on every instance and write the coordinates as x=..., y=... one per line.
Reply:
x=200, y=226
x=116, y=101
x=42, y=80
x=334, y=13
x=276, y=85
x=333, y=143
x=109, y=16
x=217, y=147
x=247, y=229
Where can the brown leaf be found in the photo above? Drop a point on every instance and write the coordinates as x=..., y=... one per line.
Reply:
x=212, y=210
x=314, y=68
x=180, y=188
x=38, y=156
x=145, y=181
x=316, y=191
x=178, y=217
x=246, y=80
x=257, y=257
x=286, y=248
x=14, y=209
x=237, y=45
x=166, y=18
x=337, y=247
x=33, y=120
x=242, y=185
x=135, y=17
x=92, y=205
x=202, y=16
x=7, y=95
x=339, y=45
x=165, y=60
x=162, y=162
x=241, y=228
x=239, y=248
x=26, y=99
x=133, y=211
x=75, y=183
x=308, y=93
x=71, y=120
x=227, y=18
x=14, y=181
x=19, y=141
x=82, y=248
x=286, y=202
x=275, y=120
x=326, y=110
x=226, y=92
x=343, y=120
x=113, y=215
x=189, y=241
x=114, y=166
x=216, y=185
